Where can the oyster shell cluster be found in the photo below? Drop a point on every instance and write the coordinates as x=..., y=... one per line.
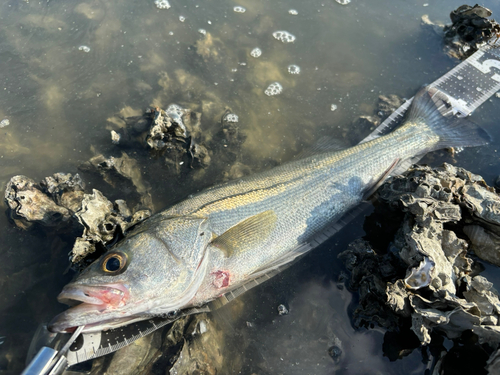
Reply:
x=446, y=220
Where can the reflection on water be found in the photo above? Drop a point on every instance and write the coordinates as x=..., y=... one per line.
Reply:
x=71, y=71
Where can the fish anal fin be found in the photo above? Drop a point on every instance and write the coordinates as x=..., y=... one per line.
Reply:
x=377, y=183
x=246, y=234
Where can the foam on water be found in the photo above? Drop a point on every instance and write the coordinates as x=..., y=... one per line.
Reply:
x=239, y=9
x=231, y=117
x=182, y=18
x=333, y=107
x=343, y=2
x=293, y=69
x=256, y=52
x=284, y=36
x=274, y=89
x=84, y=49
x=5, y=122
x=162, y=4
x=293, y=12
x=202, y=31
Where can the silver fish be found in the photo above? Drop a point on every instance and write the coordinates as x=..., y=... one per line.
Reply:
x=228, y=235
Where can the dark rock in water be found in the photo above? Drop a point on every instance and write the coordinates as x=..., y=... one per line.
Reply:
x=366, y=122
x=424, y=277
x=282, y=310
x=335, y=352
x=121, y=172
x=387, y=104
x=470, y=29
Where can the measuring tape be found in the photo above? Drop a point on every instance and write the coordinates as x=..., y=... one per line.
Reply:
x=467, y=86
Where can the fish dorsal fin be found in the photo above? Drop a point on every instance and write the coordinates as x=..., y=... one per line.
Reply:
x=324, y=144
x=246, y=234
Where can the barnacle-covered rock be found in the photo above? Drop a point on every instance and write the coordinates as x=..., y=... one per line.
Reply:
x=102, y=221
x=121, y=172
x=50, y=203
x=440, y=290
x=471, y=28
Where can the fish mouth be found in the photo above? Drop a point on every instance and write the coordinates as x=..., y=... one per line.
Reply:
x=87, y=300
x=114, y=295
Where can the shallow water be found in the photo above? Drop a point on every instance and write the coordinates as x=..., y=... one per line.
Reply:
x=62, y=102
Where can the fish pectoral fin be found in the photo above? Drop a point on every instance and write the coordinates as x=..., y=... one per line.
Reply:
x=246, y=234
x=372, y=188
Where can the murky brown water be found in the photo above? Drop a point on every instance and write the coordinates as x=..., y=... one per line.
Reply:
x=62, y=103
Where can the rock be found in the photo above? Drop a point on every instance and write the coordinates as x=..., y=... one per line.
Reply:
x=430, y=277
x=335, y=352
x=470, y=29
x=30, y=203
x=282, y=310
x=387, y=104
x=115, y=137
x=103, y=222
x=123, y=172
x=202, y=349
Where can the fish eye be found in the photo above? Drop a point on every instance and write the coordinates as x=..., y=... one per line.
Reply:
x=114, y=263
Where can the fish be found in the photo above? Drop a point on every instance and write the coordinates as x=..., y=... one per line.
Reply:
x=227, y=236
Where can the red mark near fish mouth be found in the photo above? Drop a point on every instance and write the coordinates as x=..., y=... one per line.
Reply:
x=111, y=295
x=221, y=279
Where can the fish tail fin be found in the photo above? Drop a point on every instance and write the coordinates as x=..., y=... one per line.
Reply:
x=429, y=105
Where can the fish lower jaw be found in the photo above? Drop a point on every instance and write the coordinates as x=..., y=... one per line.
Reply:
x=58, y=326
x=112, y=295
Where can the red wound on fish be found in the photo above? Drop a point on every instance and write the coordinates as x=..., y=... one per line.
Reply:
x=221, y=279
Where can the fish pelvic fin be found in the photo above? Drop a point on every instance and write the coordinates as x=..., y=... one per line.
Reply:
x=246, y=234
x=432, y=107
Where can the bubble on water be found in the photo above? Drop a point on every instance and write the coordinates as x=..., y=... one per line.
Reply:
x=170, y=33
x=84, y=49
x=231, y=117
x=274, y=89
x=182, y=18
x=293, y=12
x=343, y=2
x=333, y=107
x=256, y=52
x=284, y=36
x=239, y=9
x=162, y=4
x=202, y=31
x=293, y=69
x=5, y=122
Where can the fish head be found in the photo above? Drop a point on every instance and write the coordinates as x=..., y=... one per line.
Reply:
x=155, y=270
